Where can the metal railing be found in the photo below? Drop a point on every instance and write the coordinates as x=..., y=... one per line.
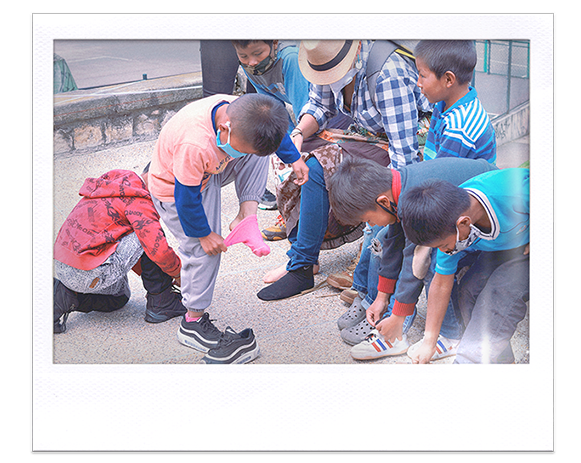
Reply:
x=502, y=73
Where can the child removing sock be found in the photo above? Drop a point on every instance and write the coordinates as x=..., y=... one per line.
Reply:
x=247, y=232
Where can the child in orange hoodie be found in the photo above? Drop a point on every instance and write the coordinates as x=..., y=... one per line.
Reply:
x=112, y=229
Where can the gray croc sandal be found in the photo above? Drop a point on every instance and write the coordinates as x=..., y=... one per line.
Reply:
x=353, y=316
x=357, y=333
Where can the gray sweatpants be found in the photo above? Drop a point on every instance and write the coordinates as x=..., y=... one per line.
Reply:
x=108, y=278
x=199, y=270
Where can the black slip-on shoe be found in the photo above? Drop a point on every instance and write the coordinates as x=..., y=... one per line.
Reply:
x=295, y=282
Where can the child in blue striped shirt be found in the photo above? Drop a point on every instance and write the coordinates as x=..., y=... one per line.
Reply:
x=460, y=126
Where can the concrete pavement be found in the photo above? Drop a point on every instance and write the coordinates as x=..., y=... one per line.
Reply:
x=98, y=63
x=301, y=330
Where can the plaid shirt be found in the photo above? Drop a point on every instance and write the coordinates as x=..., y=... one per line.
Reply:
x=398, y=99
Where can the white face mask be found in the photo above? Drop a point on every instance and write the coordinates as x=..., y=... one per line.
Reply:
x=336, y=87
x=463, y=244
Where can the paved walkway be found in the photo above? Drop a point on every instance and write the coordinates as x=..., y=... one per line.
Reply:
x=298, y=330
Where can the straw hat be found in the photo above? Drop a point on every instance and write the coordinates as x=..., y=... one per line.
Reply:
x=323, y=62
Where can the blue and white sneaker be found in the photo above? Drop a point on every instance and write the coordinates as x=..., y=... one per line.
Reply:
x=444, y=348
x=375, y=346
x=233, y=348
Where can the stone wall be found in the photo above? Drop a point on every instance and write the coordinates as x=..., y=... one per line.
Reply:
x=91, y=120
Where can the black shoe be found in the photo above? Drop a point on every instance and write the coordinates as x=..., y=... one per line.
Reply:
x=201, y=335
x=233, y=348
x=65, y=302
x=164, y=306
x=293, y=283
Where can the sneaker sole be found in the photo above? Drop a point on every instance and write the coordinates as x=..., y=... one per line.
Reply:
x=189, y=341
x=244, y=354
x=378, y=355
x=274, y=238
x=151, y=317
x=438, y=356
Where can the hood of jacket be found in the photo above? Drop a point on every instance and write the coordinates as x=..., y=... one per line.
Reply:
x=112, y=206
x=115, y=183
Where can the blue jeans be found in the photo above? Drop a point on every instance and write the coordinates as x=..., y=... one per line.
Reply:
x=307, y=237
x=366, y=278
x=361, y=274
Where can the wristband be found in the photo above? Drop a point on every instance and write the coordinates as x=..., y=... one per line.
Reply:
x=296, y=131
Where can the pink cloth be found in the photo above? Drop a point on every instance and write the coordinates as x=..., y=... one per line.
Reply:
x=247, y=232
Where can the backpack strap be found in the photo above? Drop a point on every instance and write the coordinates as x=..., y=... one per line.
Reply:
x=381, y=50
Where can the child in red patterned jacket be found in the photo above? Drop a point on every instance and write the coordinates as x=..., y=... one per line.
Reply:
x=114, y=228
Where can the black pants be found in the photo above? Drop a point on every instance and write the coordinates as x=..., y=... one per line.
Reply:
x=219, y=67
x=492, y=298
x=154, y=280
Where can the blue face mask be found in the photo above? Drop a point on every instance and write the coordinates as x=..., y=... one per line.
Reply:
x=226, y=147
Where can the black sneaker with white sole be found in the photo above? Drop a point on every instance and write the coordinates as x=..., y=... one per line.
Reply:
x=201, y=335
x=233, y=348
x=268, y=201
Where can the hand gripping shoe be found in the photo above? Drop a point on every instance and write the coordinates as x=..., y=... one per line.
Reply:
x=247, y=232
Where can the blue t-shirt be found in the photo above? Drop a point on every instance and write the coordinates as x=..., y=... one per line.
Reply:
x=504, y=194
x=463, y=130
x=285, y=81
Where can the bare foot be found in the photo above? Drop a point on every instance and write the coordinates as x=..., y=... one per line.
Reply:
x=246, y=208
x=235, y=222
x=279, y=272
x=276, y=274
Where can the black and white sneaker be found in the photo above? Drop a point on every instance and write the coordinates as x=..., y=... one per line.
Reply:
x=233, y=348
x=201, y=335
x=268, y=201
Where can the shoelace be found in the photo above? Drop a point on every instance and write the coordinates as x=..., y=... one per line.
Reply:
x=370, y=337
x=226, y=339
x=207, y=325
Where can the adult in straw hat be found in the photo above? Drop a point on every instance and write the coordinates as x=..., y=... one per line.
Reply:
x=324, y=62
x=384, y=130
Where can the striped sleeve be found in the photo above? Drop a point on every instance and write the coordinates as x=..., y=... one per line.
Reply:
x=468, y=133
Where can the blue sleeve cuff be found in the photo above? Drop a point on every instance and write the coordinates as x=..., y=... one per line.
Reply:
x=190, y=210
x=446, y=264
x=287, y=151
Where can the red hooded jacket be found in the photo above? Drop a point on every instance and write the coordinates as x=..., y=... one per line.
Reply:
x=113, y=206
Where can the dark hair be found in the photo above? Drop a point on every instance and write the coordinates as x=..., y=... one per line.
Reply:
x=354, y=187
x=245, y=43
x=457, y=56
x=429, y=211
x=259, y=120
